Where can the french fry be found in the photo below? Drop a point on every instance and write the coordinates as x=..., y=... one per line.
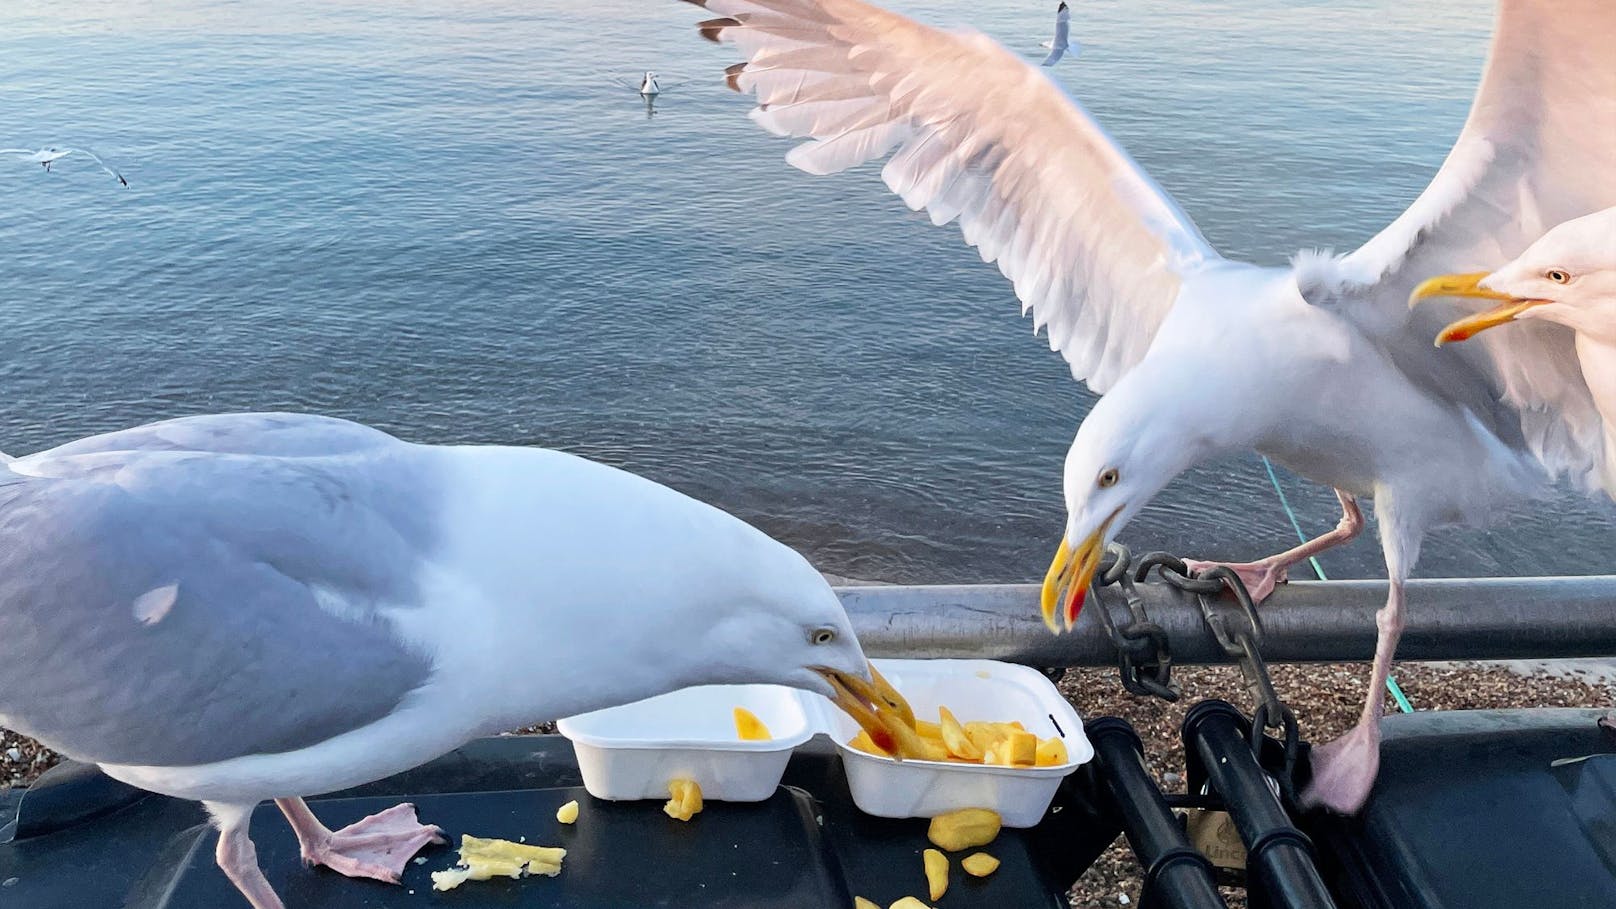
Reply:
x=979, y=864
x=936, y=873
x=909, y=902
x=954, y=738
x=481, y=859
x=685, y=802
x=864, y=743
x=749, y=728
x=1022, y=748
x=929, y=730
x=1051, y=753
x=568, y=813
x=963, y=829
x=860, y=902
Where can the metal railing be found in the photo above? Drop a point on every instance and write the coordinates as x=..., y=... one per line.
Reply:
x=1303, y=621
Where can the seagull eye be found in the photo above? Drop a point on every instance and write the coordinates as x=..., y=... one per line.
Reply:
x=1108, y=478
x=822, y=635
x=1558, y=276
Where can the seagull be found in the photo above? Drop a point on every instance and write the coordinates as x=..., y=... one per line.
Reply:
x=45, y=157
x=1562, y=291
x=649, y=85
x=1319, y=365
x=1061, y=42
x=242, y=607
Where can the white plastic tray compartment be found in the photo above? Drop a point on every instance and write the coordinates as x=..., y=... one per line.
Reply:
x=632, y=751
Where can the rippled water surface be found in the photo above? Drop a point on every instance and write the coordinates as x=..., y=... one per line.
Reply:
x=446, y=219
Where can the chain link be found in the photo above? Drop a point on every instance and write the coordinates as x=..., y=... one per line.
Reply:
x=1145, y=658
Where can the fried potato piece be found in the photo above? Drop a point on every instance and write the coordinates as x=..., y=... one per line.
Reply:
x=749, y=728
x=1051, y=753
x=979, y=864
x=568, y=813
x=860, y=902
x=685, y=802
x=1021, y=748
x=929, y=730
x=908, y=902
x=481, y=859
x=936, y=873
x=954, y=738
x=963, y=829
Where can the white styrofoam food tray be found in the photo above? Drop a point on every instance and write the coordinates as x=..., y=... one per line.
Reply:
x=632, y=751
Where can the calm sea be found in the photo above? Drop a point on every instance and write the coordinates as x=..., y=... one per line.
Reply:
x=449, y=221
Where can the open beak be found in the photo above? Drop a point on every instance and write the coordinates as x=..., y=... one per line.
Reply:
x=868, y=705
x=1070, y=574
x=1469, y=285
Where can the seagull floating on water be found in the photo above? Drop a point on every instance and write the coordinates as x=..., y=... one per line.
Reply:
x=1562, y=293
x=245, y=607
x=46, y=157
x=1320, y=365
x=1061, y=43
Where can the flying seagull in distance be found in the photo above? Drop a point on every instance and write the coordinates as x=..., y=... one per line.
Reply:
x=1062, y=40
x=45, y=157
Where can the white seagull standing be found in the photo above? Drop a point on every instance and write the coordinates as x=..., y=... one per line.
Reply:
x=1319, y=365
x=266, y=606
x=1061, y=43
x=1564, y=284
x=46, y=157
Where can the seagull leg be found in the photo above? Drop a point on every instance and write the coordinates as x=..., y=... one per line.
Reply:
x=1262, y=576
x=1344, y=770
x=376, y=847
x=236, y=856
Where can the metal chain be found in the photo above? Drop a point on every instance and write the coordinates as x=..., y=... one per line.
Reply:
x=1242, y=642
x=1144, y=657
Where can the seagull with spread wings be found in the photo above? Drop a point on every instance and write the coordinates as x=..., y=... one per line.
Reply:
x=1062, y=42
x=1320, y=365
x=46, y=157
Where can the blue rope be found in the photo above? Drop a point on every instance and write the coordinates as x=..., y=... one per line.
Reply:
x=1285, y=503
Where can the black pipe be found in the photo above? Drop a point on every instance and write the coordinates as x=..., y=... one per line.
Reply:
x=1177, y=876
x=1280, y=868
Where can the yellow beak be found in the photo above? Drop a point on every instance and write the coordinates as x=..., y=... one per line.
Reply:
x=867, y=705
x=1468, y=285
x=1070, y=574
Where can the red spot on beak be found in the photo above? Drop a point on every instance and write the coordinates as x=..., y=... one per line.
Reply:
x=1075, y=605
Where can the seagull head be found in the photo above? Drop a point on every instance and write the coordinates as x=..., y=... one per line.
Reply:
x=1568, y=276
x=1133, y=443
x=738, y=607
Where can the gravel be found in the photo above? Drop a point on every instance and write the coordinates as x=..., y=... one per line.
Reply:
x=1326, y=698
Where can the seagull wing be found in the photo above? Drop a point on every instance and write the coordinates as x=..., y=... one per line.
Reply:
x=1095, y=249
x=1539, y=148
x=97, y=159
x=1061, y=44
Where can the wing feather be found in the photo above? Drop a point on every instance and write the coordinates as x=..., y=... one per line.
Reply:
x=1095, y=250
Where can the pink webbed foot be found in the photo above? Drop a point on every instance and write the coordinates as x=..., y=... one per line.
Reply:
x=1344, y=770
x=376, y=847
x=1260, y=578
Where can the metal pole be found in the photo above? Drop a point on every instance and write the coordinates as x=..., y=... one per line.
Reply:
x=1304, y=621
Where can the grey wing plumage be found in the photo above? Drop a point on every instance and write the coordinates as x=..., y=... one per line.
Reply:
x=172, y=607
